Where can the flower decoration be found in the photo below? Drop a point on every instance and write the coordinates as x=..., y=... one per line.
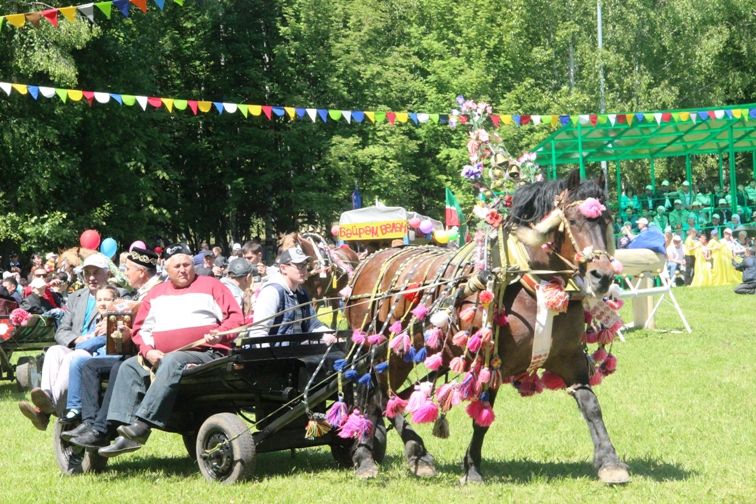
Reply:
x=19, y=317
x=591, y=208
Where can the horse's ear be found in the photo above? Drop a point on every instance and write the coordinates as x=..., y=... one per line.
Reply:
x=573, y=180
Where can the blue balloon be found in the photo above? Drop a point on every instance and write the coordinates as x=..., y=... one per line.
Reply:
x=109, y=247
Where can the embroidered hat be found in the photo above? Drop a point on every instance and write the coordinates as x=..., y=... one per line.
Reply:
x=293, y=255
x=239, y=267
x=178, y=248
x=142, y=257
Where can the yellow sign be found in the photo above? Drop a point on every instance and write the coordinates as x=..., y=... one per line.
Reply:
x=384, y=230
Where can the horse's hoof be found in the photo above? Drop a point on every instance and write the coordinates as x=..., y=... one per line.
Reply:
x=614, y=474
x=367, y=471
x=422, y=468
x=471, y=478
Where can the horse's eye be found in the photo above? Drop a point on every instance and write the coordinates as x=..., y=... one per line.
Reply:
x=573, y=222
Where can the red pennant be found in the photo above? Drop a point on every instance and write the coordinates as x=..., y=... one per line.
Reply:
x=524, y=119
x=52, y=16
x=666, y=117
x=155, y=102
x=193, y=106
x=495, y=119
x=593, y=118
x=621, y=119
x=89, y=95
x=462, y=119
x=712, y=115
x=141, y=5
x=391, y=116
x=267, y=110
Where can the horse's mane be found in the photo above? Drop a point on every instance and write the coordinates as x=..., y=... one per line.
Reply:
x=287, y=241
x=532, y=202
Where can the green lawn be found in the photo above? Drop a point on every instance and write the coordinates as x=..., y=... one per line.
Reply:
x=680, y=410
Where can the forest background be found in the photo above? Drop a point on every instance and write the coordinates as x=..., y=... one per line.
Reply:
x=223, y=178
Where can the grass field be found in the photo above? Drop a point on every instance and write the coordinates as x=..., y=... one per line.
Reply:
x=680, y=410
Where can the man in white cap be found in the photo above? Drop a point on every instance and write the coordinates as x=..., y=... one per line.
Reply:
x=685, y=194
x=677, y=215
x=675, y=257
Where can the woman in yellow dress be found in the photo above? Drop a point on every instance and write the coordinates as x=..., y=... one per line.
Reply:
x=702, y=270
x=723, y=272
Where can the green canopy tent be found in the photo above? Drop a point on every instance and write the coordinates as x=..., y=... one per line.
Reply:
x=592, y=138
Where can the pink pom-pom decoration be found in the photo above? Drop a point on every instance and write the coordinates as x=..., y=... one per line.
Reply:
x=486, y=297
x=357, y=426
x=359, y=337
x=587, y=317
x=599, y=355
x=529, y=385
x=591, y=208
x=468, y=388
x=433, y=338
x=460, y=339
x=500, y=318
x=448, y=396
x=606, y=336
x=425, y=413
x=376, y=339
x=400, y=344
x=552, y=381
x=615, y=304
x=395, y=406
x=467, y=314
x=610, y=364
x=420, y=311
x=474, y=343
x=591, y=336
x=483, y=377
x=418, y=397
x=617, y=266
x=337, y=414
x=440, y=319
x=396, y=327
x=554, y=295
x=495, y=381
x=481, y=412
x=596, y=379
x=458, y=365
x=329, y=338
x=434, y=362
x=19, y=317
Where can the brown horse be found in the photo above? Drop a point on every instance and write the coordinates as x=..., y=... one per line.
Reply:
x=545, y=216
x=329, y=271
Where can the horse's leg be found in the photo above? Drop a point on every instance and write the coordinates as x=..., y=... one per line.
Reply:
x=611, y=469
x=420, y=462
x=334, y=313
x=364, y=463
x=473, y=456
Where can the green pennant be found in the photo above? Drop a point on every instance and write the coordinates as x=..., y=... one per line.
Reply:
x=334, y=114
x=105, y=7
x=603, y=119
x=2, y=20
x=244, y=109
x=675, y=117
x=62, y=94
x=648, y=117
x=180, y=2
x=179, y=104
x=574, y=119
x=129, y=100
x=380, y=117
x=433, y=118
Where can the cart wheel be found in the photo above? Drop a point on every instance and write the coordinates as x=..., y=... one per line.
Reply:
x=225, y=449
x=23, y=376
x=74, y=459
x=342, y=451
x=190, y=443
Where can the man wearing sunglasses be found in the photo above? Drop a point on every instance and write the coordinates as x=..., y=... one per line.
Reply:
x=282, y=306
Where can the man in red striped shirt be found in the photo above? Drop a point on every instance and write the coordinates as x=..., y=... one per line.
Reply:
x=177, y=325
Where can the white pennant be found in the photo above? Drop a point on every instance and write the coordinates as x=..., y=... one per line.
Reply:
x=5, y=87
x=657, y=116
x=47, y=92
x=422, y=117
x=612, y=118
x=694, y=117
x=87, y=10
x=584, y=118
x=719, y=114
x=102, y=97
x=142, y=101
x=347, y=116
x=230, y=107
x=312, y=113
x=536, y=119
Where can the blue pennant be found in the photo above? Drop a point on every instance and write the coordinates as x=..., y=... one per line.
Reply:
x=564, y=119
x=123, y=6
x=218, y=106
x=160, y=4
x=117, y=98
x=413, y=118
x=639, y=116
x=358, y=116
x=300, y=112
x=323, y=113
x=703, y=115
x=279, y=111
x=33, y=91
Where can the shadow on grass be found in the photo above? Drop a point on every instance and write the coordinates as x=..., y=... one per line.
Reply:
x=10, y=390
x=526, y=470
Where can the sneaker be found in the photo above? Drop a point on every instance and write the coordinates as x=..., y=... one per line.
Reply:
x=38, y=419
x=72, y=416
x=42, y=401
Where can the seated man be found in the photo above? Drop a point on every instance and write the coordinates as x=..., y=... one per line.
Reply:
x=283, y=306
x=748, y=267
x=177, y=325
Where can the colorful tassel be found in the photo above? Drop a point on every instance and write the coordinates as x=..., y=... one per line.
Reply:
x=441, y=427
x=419, y=396
x=417, y=356
x=606, y=336
x=425, y=413
x=440, y=319
x=420, y=311
x=610, y=365
x=448, y=396
x=458, y=365
x=500, y=318
x=468, y=314
x=467, y=388
x=483, y=376
x=552, y=381
x=400, y=344
x=481, y=412
x=412, y=296
x=591, y=336
x=395, y=406
x=337, y=414
x=460, y=339
x=555, y=297
x=329, y=338
x=317, y=426
x=350, y=374
x=357, y=426
x=432, y=338
x=495, y=381
x=376, y=339
x=396, y=327
x=617, y=266
x=366, y=380
x=339, y=364
x=529, y=385
x=596, y=379
x=434, y=362
x=474, y=343
x=381, y=368
x=485, y=334
x=599, y=355
x=359, y=337
x=587, y=317
x=486, y=297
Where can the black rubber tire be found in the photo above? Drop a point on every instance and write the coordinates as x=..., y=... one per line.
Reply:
x=23, y=376
x=342, y=450
x=190, y=443
x=73, y=459
x=235, y=460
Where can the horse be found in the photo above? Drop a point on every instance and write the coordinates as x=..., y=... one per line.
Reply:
x=329, y=269
x=561, y=244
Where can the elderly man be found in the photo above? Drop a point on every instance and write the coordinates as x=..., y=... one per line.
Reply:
x=178, y=324
x=141, y=273
x=748, y=267
x=77, y=324
x=283, y=306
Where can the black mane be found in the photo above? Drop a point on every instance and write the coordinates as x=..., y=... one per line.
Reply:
x=532, y=202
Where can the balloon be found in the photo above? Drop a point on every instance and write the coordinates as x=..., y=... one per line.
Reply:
x=441, y=236
x=90, y=239
x=414, y=222
x=138, y=244
x=335, y=230
x=426, y=227
x=109, y=247
x=453, y=234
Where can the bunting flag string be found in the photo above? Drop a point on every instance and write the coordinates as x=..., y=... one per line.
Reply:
x=52, y=14
x=351, y=116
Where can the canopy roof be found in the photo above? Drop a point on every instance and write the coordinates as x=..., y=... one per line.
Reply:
x=649, y=135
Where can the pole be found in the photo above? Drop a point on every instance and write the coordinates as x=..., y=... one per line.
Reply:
x=618, y=174
x=653, y=175
x=553, y=161
x=688, y=171
x=733, y=178
x=580, y=150
x=753, y=163
x=602, y=98
x=721, y=172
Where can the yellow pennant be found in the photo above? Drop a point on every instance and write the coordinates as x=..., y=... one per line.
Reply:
x=402, y=117
x=68, y=12
x=684, y=116
x=204, y=106
x=168, y=102
x=255, y=110
x=17, y=20
x=75, y=94
x=21, y=88
x=507, y=119
x=371, y=116
x=291, y=112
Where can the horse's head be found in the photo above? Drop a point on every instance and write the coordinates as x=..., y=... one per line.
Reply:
x=565, y=224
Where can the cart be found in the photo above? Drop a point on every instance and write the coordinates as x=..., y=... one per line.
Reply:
x=36, y=335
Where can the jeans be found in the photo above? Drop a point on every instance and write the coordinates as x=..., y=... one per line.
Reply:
x=75, y=370
x=93, y=411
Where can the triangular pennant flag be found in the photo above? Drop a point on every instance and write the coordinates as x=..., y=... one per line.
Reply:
x=231, y=108
x=62, y=94
x=585, y=119
x=335, y=115
x=546, y=119
x=323, y=113
x=564, y=119
x=391, y=116
x=413, y=118
x=244, y=109
x=612, y=118
x=736, y=114
x=402, y=117
x=218, y=106
x=752, y=113
x=142, y=101
x=443, y=118
x=684, y=116
x=178, y=104
x=6, y=86
x=555, y=120
x=141, y=5
x=312, y=113
x=370, y=116
x=69, y=13
x=358, y=116
x=204, y=106
x=255, y=110
x=21, y=88
x=639, y=117
x=87, y=10
x=629, y=118
x=657, y=117
x=666, y=116
x=119, y=98
x=434, y=118
x=75, y=95
x=675, y=116
x=122, y=6
x=52, y=16
x=89, y=95
x=101, y=97
x=728, y=113
x=506, y=119
x=694, y=117
x=180, y=2
x=33, y=17
x=278, y=111
x=160, y=4
x=300, y=112
x=34, y=91
x=536, y=119
x=524, y=119
x=267, y=109
x=154, y=101
x=347, y=114
x=193, y=106
x=593, y=119
x=703, y=115
x=106, y=8
x=291, y=112
x=379, y=117
x=575, y=119
x=422, y=118
x=718, y=114
x=2, y=20
x=621, y=119
x=17, y=20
